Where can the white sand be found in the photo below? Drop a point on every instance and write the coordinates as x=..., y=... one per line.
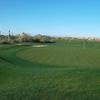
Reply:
x=38, y=46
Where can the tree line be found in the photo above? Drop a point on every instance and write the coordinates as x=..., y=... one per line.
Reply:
x=24, y=37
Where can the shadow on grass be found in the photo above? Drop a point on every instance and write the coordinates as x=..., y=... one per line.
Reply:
x=4, y=59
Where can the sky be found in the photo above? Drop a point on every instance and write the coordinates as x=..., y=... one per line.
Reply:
x=51, y=17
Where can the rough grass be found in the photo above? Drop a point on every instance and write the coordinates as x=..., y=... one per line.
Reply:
x=63, y=71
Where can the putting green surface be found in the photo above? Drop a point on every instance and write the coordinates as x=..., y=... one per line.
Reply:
x=63, y=71
x=62, y=56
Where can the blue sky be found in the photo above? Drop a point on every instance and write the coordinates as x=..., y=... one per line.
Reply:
x=51, y=17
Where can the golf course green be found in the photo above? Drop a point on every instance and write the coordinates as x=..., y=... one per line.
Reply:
x=65, y=70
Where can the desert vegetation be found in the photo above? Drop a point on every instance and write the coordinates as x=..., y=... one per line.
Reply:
x=25, y=37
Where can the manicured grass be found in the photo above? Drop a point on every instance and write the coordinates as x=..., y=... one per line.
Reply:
x=67, y=70
x=63, y=56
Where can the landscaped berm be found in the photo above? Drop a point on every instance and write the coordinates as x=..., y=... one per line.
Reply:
x=65, y=70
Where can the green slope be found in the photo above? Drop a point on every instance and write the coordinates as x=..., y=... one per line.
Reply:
x=64, y=71
x=63, y=56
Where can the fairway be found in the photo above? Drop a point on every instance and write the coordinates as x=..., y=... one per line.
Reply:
x=66, y=70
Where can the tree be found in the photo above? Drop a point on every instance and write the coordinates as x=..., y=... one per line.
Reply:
x=43, y=39
x=24, y=37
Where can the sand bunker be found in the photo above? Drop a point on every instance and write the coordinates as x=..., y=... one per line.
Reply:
x=38, y=46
